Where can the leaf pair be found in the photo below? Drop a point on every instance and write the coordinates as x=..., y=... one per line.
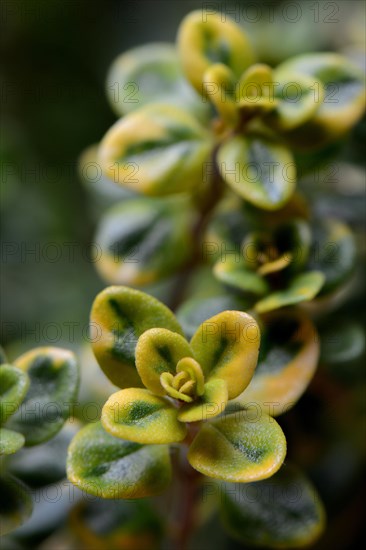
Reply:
x=286, y=264
x=232, y=448
x=216, y=366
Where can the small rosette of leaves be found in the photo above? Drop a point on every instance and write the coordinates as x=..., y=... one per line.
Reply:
x=136, y=238
x=249, y=120
x=181, y=383
x=284, y=265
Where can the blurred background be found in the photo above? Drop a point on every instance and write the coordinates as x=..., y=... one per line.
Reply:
x=55, y=58
x=56, y=54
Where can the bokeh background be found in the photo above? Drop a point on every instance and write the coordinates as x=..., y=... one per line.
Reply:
x=56, y=54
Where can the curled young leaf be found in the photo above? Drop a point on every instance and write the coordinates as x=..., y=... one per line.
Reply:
x=287, y=362
x=137, y=415
x=136, y=236
x=16, y=503
x=159, y=350
x=54, y=381
x=10, y=441
x=118, y=317
x=284, y=511
x=151, y=74
x=260, y=170
x=157, y=150
x=226, y=346
x=14, y=385
x=219, y=86
x=254, y=92
x=108, y=467
x=239, y=448
x=205, y=39
x=256, y=82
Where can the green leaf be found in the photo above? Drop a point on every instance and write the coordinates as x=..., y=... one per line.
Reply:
x=136, y=237
x=14, y=384
x=157, y=150
x=342, y=342
x=238, y=448
x=119, y=316
x=151, y=74
x=137, y=415
x=102, y=192
x=343, y=102
x=294, y=236
x=255, y=91
x=302, y=288
x=193, y=312
x=210, y=404
x=54, y=380
x=10, y=442
x=260, y=170
x=287, y=361
x=16, y=503
x=109, y=467
x=158, y=351
x=284, y=511
x=333, y=253
x=226, y=346
x=237, y=275
x=255, y=83
x=44, y=464
x=123, y=524
x=226, y=228
x=298, y=98
x=206, y=40
x=219, y=85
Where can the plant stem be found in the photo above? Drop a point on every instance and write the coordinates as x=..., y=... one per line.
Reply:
x=188, y=480
x=212, y=198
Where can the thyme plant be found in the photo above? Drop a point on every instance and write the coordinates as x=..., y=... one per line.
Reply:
x=208, y=149
x=217, y=262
